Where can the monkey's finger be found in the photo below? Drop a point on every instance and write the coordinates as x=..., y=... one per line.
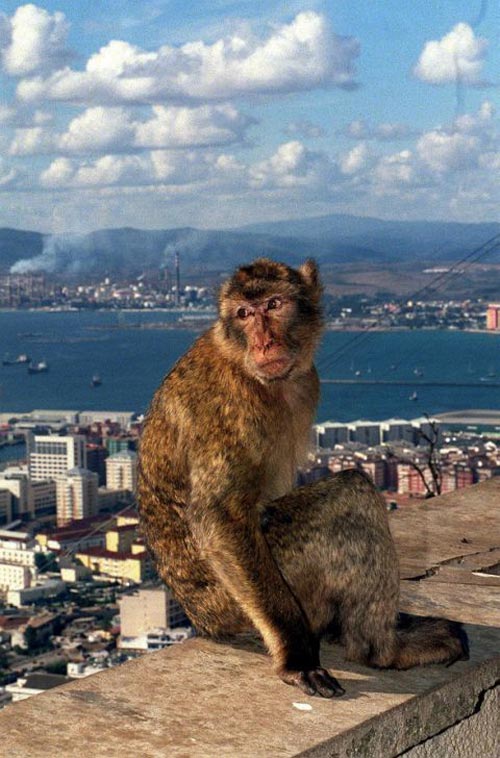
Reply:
x=325, y=684
x=303, y=682
x=298, y=679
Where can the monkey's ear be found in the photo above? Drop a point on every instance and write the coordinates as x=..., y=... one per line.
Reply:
x=310, y=273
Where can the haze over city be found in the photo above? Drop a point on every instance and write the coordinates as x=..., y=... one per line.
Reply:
x=219, y=114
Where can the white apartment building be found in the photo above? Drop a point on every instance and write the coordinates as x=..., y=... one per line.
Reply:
x=121, y=471
x=17, y=560
x=151, y=619
x=77, y=495
x=42, y=497
x=146, y=610
x=51, y=456
x=16, y=482
x=27, y=497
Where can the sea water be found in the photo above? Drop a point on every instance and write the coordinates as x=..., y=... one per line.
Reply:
x=131, y=360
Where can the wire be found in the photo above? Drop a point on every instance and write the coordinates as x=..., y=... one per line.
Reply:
x=327, y=362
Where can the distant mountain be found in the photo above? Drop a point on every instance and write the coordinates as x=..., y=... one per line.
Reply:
x=407, y=238
x=331, y=239
x=127, y=251
x=16, y=244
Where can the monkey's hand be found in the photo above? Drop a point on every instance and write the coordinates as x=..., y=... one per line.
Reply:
x=312, y=681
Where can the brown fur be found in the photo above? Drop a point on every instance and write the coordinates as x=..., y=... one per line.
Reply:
x=237, y=544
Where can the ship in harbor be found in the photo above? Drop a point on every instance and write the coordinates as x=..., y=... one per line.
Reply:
x=96, y=381
x=22, y=358
x=38, y=367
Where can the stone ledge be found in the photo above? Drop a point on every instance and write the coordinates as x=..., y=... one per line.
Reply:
x=202, y=699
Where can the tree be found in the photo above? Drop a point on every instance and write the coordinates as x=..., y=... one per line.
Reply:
x=432, y=459
x=428, y=465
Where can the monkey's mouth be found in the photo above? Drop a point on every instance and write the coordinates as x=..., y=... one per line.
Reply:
x=275, y=368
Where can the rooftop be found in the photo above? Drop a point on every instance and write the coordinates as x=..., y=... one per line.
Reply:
x=202, y=699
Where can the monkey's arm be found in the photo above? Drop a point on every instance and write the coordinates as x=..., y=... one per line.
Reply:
x=226, y=525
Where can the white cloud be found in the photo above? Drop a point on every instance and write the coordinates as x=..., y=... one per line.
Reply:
x=59, y=173
x=304, y=129
x=12, y=115
x=359, y=129
x=490, y=161
x=293, y=166
x=97, y=130
x=33, y=41
x=355, y=160
x=302, y=55
x=105, y=130
x=395, y=169
x=8, y=115
x=444, y=152
x=28, y=141
x=156, y=167
x=476, y=123
x=392, y=131
x=7, y=174
x=180, y=127
x=457, y=57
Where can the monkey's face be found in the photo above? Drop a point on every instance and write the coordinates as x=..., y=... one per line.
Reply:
x=265, y=325
x=271, y=317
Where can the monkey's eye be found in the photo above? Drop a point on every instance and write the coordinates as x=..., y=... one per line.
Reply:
x=274, y=303
x=242, y=313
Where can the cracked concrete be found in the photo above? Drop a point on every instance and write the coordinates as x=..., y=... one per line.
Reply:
x=475, y=736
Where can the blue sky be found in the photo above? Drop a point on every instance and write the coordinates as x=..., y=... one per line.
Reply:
x=215, y=114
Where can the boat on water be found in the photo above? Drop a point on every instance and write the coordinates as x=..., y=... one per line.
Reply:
x=413, y=396
x=96, y=381
x=22, y=358
x=38, y=367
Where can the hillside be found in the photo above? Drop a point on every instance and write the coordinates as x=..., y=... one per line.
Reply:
x=335, y=240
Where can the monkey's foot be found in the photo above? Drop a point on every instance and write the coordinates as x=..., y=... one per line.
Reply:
x=316, y=680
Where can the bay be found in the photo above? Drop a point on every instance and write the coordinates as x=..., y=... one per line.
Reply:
x=131, y=361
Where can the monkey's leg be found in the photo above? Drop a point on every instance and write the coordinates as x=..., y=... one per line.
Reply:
x=332, y=543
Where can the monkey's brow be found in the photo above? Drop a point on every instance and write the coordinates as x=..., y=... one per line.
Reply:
x=259, y=298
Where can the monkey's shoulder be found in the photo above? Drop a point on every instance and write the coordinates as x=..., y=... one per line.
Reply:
x=208, y=394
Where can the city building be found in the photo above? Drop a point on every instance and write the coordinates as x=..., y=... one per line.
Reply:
x=398, y=430
x=120, y=539
x=89, y=532
x=120, y=443
x=96, y=461
x=50, y=588
x=331, y=433
x=121, y=471
x=110, y=500
x=149, y=619
x=373, y=433
x=133, y=566
x=123, y=556
x=493, y=316
x=51, y=456
x=123, y=418
x=15, y=480
x=34, y=684
x=28, y=499
x=5, y=506
x=366, y=432
x=42, y=498
x=17, y=560
x=76, y=495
